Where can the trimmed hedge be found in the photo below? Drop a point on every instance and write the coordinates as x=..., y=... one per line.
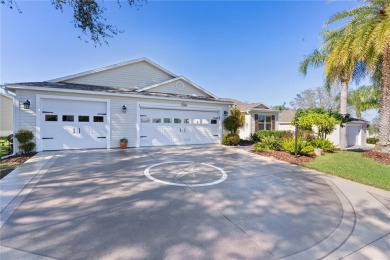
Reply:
x=372, y=140
x=231, y=139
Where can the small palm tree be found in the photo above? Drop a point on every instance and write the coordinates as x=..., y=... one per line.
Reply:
x=364, y=98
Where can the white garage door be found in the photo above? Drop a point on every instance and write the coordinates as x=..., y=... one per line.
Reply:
x=353, y=135
x=70, y=124
x=160, y=127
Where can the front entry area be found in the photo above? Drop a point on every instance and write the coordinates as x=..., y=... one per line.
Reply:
x=72, y=124
x=159, y=127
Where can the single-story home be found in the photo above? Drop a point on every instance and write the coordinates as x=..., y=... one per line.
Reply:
x=356, y=129
x=258, y=116
x=6, y=114
x=138, y=100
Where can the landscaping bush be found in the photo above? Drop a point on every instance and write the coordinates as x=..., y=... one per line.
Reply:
x=24, y=138
x=233, y=122
x=269, y=143
x=372, y=140
x=275, y=133
x=304, y=147
x=323, y=144
x=230, y=139
x=27, y=147
x=254, y=138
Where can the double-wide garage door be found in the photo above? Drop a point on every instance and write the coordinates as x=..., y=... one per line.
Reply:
x=160, y=127
x=71, y=124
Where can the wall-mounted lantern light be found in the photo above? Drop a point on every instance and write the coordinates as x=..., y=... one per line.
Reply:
x=124, y=108
x=26, y=104
x=225, y=113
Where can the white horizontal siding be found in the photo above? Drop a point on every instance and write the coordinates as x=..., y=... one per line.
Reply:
x=171, y=88
x=6, y=115
x=122, y=124
x=137, y=75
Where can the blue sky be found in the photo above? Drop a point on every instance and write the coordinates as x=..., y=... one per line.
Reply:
x=249, y=50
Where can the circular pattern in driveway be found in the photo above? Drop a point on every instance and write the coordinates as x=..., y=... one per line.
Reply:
x=185, y=173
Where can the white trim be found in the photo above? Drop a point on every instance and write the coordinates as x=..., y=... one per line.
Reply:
x=16, y=108
x=176, y=107
x=39, y=97
x=176, y=79
x=117, y=65
x=119, y=95
x=137, y=125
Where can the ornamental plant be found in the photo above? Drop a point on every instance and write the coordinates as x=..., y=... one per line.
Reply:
x=24, y=138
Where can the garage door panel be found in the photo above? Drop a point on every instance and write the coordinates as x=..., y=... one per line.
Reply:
x=73, y=124
x=178, y=127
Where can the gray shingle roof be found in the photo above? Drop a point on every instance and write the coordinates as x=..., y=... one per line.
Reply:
x=92, y=88
x=286, y=115
x=247, y=106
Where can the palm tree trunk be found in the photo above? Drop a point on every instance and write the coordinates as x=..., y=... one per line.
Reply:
x=343, y=111
x=384, y=116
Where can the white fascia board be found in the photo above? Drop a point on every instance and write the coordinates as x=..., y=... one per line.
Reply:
x=88, y=72
x=176, y=79
x=119, y=95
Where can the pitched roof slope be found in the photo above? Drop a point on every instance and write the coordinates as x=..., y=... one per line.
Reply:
x=286, y=115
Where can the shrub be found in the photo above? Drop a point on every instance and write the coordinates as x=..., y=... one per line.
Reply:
x=23, y=136
x=275, y=133
x=254, y=138
x=233, y=122
x=323, y=144
x=304, y=147
x=27, y=147
x=372, y=140
x=123, y=140
x=268, y=143
x=230, y=139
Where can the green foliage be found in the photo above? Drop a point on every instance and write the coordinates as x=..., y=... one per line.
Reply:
x=233, y=122
x=304, y=147
x=269, y=143
x=27, y=147
x=88, y=16
x=123, y=140
x=372, y=140
x=324, y=120
x=274, y=133
x=254, y=138
x=364, y=98
x=24, y=138
x=323, y=144
x=231, y=139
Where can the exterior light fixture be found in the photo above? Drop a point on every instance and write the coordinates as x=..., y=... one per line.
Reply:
x=225, y=113
x=124, y=108
x=26, y=104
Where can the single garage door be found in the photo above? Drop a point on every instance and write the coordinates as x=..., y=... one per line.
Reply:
x=160, y=127
x=70, y=124
x=353, y=135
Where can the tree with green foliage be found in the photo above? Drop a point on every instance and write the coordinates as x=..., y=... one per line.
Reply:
x=366, y=35
x=234, y=121
x=324, y=120
x=88, y=16
x=364, y=98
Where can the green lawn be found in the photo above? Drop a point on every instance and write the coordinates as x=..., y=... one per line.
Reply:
x=3, y=146
x=353, y=166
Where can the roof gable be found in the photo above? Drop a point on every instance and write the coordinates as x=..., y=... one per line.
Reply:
x=131, y=74
x=179, y=85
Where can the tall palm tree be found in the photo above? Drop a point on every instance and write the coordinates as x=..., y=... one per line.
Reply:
x=335, y=71
x=364, y=98
x=369, y=28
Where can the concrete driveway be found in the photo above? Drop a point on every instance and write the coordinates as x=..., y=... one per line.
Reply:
x=199, y=202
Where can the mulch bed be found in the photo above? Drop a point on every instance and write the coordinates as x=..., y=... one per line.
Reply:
x=284, y=156
x=244, y=143
x=11, y=163
x=379, y=157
